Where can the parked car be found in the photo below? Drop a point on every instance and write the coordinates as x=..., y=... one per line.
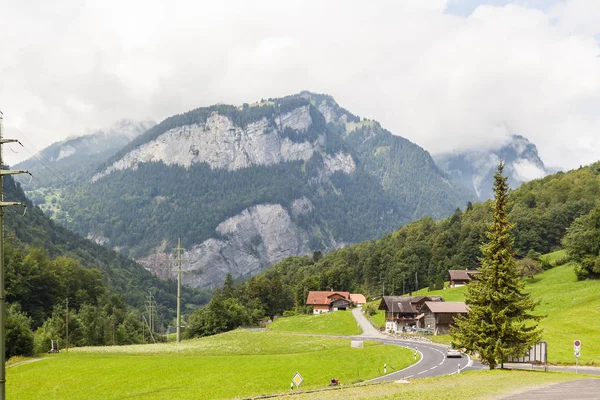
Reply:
x=453, y=353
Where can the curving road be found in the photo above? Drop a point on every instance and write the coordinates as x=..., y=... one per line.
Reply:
x=433, y=360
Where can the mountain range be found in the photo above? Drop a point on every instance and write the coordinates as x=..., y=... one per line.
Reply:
x=246, y=186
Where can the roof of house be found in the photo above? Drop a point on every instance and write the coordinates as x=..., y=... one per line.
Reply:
x=321, y=298
x=405, y=304
x=453, y=307
x=358, y=298
x=462, y=274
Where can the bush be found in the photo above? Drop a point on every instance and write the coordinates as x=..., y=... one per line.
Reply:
x=289, y=313
x=561, y=261
x=370, y=310
x=545, y=264
x=19, y=336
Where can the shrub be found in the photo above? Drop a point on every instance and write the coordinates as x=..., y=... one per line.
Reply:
x=370, y=310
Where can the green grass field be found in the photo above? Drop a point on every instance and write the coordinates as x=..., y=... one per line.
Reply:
x=572, y=308
x=334, y=323
x=465, y=386
x=234, y=364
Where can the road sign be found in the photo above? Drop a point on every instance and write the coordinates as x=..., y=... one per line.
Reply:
x=577, y=343
x=297, y=379
x=577, y=353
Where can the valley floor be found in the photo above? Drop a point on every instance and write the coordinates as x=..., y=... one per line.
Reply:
x=235, y=364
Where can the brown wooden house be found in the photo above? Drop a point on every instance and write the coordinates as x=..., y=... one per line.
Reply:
x=402, y=311
x=439, y=316
x=460, y=277
x=323, y=302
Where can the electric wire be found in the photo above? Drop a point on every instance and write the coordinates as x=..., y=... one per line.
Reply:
x=57, y=174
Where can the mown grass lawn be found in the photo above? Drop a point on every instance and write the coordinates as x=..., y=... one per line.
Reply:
x=235, y=364
x=464, y=386
x=334, y=323
x=571, y=307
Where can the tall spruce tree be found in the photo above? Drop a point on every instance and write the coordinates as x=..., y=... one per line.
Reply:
x=500, y=322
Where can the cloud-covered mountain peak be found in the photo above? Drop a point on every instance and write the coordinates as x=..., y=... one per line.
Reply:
x=475, y=168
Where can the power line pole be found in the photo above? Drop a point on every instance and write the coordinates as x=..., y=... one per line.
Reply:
x=2, y=282
x=416, y=282
x=67, y=324
x=179, y=260
x=151, y=307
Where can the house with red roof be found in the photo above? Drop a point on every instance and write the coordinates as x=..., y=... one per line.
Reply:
x=323, y=302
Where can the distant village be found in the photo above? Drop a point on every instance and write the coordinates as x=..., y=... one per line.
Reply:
x=424, y=314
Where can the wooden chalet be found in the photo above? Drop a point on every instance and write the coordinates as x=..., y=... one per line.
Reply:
x=461, y=277
x=404, y=311
x=439, y=316
x=323, y=302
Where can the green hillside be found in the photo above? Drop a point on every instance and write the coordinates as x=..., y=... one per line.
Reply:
x=232, y=365
x=335, y=323
x=571, y=307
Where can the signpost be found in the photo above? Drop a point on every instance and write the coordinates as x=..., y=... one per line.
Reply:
x=577, y=351
x=297, y=379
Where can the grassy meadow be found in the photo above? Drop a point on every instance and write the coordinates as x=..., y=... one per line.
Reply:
x=334, y=323
x=234, y=364
x=464, y=386
x=571, y=307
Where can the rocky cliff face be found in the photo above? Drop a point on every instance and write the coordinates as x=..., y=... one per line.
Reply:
x=222, y=144
x=247, y=243
x=476, y=169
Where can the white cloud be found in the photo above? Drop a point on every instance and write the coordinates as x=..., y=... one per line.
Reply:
x=527, y=171
x=443, y=81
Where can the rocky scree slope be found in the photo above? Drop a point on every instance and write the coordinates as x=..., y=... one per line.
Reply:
x=247, y=186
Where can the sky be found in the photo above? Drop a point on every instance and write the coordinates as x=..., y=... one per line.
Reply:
x=446, y=74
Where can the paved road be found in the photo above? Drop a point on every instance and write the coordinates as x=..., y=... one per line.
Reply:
x=433, y=360
x=585, y=389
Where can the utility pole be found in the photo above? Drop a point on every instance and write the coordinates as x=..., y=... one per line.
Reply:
x=67, y=324
x=150, y=309
x=179, y=260
x=403, y=284
x=2, y=283
x=416, y=281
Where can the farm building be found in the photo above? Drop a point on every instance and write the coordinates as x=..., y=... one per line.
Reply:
x=358, y=299
x=439, y=316
x=323, y=302
x=404, y=311
x=460, y=277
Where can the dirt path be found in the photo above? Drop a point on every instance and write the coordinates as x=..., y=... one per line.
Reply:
x=25, y=362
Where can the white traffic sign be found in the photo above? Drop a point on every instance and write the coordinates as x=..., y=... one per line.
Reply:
x=297, y=379
x=577, y=354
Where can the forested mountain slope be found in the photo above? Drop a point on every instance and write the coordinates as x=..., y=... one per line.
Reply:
x=247, y=186
x=121, y=275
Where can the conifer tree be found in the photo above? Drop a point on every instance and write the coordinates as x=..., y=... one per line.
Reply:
x=500, y=322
